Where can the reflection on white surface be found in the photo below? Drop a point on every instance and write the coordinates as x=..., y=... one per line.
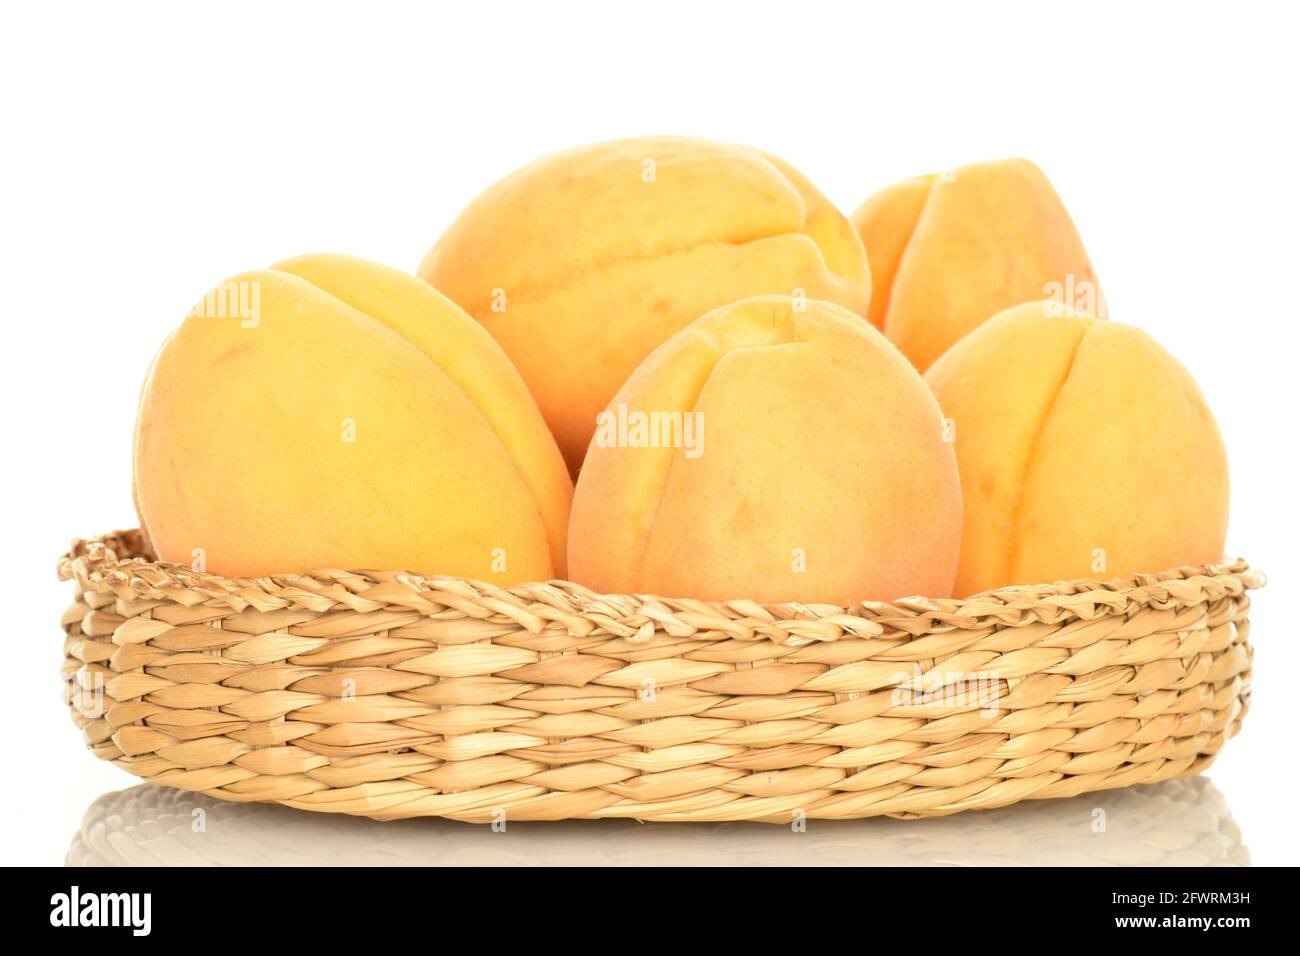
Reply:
x=1175, y=823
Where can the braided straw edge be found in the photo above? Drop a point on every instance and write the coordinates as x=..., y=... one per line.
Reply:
x=116, y=563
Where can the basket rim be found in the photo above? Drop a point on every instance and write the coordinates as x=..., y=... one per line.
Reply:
x=120, y=562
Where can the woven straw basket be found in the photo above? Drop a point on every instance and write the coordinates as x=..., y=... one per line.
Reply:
x=390, y=695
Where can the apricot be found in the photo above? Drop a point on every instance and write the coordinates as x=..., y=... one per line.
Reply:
x=330, y=412
x=581, y=263
x=774, y=449
x=947, y=251
x=1086, y=451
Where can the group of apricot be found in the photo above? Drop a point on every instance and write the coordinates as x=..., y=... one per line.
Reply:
x=925, y=398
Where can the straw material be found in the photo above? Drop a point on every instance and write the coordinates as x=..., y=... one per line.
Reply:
x=390, y=695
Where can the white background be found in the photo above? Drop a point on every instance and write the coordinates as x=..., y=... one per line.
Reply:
x=151, y=151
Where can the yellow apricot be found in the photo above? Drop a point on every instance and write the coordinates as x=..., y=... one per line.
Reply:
x=331, y=412
x=1086, y=451
x=584, y=261
x=947, y=251
x=812, y=466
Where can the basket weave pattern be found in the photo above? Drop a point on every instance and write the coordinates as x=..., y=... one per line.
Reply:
x=391, y=695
